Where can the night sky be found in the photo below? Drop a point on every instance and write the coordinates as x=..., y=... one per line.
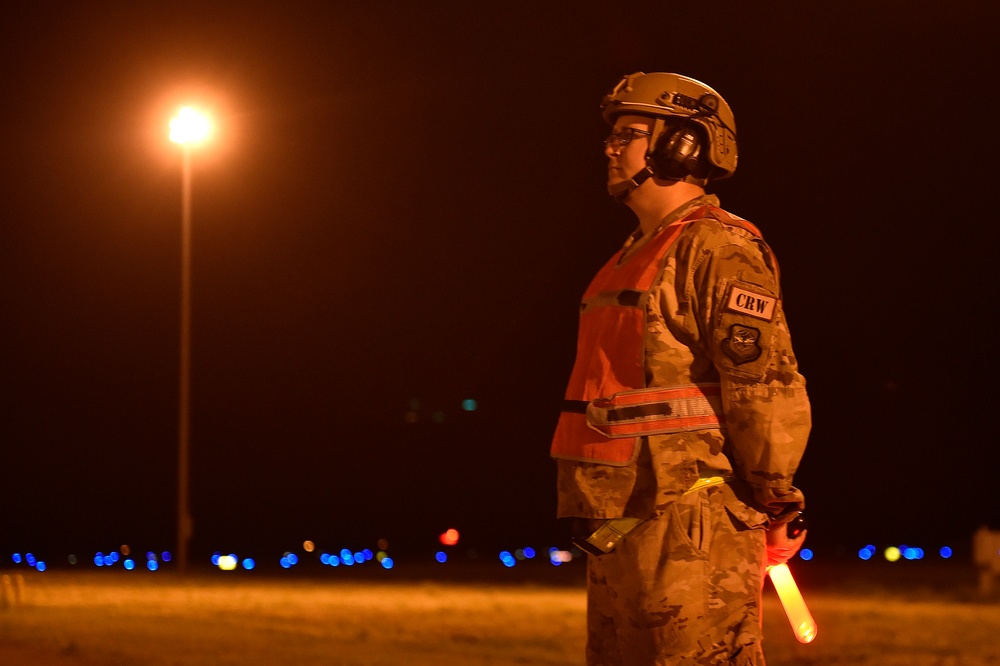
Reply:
x=400, y=210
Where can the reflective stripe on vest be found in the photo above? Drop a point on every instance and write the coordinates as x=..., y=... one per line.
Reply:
x=657, y=411
x=609, y=407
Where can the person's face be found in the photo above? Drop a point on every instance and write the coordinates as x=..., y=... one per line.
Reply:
x=626, y=147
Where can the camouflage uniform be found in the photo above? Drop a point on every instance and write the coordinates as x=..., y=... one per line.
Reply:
x=684, y=587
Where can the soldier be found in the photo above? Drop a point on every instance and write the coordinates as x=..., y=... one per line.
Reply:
x=685, y=417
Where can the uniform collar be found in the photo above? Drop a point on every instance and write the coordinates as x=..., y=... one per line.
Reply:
x=686, y=209
x=676, y=214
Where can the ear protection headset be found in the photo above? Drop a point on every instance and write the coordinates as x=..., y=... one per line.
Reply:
x=677, y=153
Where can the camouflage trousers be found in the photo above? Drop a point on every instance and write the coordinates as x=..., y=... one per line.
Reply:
x=682, y=588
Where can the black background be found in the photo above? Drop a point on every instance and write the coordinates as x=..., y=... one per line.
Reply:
x=400, y=209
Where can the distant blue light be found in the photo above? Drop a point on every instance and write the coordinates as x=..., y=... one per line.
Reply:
x=249, y=564
x=40, y=566
x=293, y=559
x=387, y=563
x=507, y=559
x=215, y=558
x=368, y=554
x=945, y=552
x=441, y=556
x=108, y=561
x=285, y=564
x=99, y=559
x=30, y=559
x=16, y=557
x=324, y=558
x=152, y=565
x=529, y=552
x=470, y=405
x=359, y=558
x=152, y=556
x=909, y=553
x=114, y=557
x=129, y=564
x=865, y=554
x=166, y=556
x=806, y=554
x=334, y=561
x=347, y=556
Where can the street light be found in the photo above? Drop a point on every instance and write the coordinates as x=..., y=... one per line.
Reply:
x=187, y=128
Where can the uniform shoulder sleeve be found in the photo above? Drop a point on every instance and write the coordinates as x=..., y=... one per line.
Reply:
x=732, y=283
x=732, y=290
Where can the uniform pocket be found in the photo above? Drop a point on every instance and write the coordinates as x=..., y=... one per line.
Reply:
x=691, y=518
x=743, y=515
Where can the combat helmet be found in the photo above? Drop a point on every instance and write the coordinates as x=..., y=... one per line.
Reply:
x=694, y=130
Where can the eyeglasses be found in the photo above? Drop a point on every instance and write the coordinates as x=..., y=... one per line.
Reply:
x=618, y=140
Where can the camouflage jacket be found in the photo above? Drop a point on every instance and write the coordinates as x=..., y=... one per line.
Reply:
x=698, y=333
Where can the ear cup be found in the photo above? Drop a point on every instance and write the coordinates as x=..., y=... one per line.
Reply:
x=677, y=153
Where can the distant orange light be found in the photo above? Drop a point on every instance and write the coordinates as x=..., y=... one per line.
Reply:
x=308, y=546
x=189, y=126
x=449, y=537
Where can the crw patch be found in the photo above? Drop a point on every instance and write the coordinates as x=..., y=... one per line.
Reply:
x=742, y=344
x=750, y=303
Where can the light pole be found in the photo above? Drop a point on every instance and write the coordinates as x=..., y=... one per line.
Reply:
x=187, y=128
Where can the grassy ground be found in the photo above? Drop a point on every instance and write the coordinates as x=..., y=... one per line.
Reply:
x=85, y=619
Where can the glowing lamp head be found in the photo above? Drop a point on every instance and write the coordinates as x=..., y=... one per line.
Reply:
x=189, y=126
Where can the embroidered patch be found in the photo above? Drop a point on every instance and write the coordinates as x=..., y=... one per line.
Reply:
x=741, y=345
x=751, y=303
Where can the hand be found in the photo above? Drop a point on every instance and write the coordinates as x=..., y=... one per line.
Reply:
x=781, y=548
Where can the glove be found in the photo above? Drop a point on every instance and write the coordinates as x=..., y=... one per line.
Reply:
x=784, y=540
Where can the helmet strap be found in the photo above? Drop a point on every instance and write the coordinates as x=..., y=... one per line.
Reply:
x=621, y=191
x=659, y=125
x=701, y=182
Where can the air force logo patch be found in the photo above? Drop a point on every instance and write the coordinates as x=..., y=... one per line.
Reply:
x=742, y=345
x=746, y=302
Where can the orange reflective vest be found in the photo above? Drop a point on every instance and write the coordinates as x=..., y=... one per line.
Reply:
x=608, y=406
